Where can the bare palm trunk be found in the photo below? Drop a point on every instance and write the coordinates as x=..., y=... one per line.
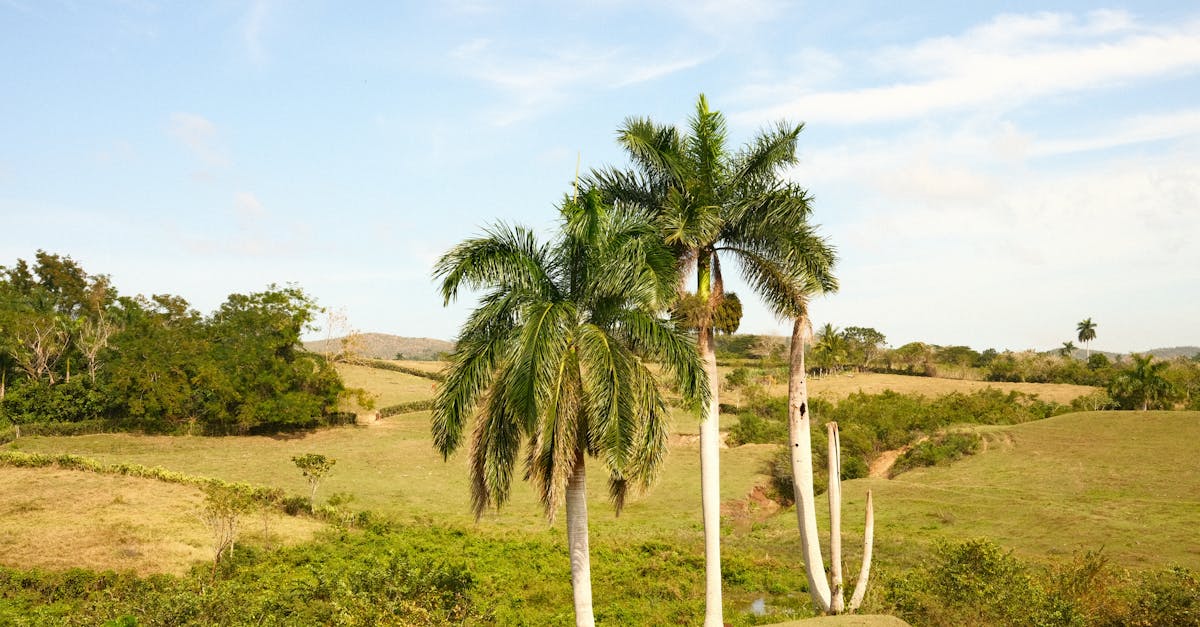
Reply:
x=577, y=540
x=710, y=484
x=836, y=603
x=800, y=439
x=864, y=574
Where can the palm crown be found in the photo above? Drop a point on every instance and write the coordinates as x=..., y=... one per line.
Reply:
x=556, y=353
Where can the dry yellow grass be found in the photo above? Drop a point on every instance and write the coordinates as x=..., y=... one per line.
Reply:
x=387, y=387
x=839, y=386
x=59, y=519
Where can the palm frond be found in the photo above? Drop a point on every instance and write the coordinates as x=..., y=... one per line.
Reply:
x=495, y=443
x=653, y=147
x=479, y=351
x=507, y=257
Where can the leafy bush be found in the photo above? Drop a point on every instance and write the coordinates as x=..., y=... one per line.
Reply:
x=978, y=583
x=937, y=451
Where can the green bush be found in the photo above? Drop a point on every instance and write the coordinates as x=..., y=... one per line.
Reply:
x=936, y=451
x=978, y=583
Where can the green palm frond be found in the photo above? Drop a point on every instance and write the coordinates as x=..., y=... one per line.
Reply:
x=654, y=148
x=480, y=350
x=495, y=443
x=759, y=162
x=505, y=256
x=549, y=360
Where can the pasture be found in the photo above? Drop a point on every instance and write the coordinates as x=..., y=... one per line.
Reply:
x=1125, y=482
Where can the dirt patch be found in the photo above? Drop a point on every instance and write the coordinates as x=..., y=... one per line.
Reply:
x=756, y=507
x=882, y=464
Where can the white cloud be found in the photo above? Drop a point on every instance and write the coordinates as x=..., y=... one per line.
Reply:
x=199, y=135
x=248, y=207
x=544, y=80
x=999, y=66
x=252, y=26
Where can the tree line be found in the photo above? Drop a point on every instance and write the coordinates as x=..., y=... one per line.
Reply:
x=73, y=349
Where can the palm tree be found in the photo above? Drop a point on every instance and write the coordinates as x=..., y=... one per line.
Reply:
x=1143, y=382
x=711, y=203
x=1067, y=350
x=555, y=357
x=831, y=348
x=1087, y=333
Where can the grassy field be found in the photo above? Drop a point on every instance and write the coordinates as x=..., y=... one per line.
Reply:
x=64, y=518
x=837, y=386
x=385, y=387
x=1122, y=481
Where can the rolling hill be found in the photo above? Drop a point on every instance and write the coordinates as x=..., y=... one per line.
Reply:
x=385, y=346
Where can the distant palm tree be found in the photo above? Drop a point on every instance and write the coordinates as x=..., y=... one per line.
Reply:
x=1087, y=333
x=1067, y=350
x=713, y=203
x=555, y=358
x=831, y=349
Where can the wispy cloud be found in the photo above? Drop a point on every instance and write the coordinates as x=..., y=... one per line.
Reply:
x=253, y=24
x=199, y=135
x=540, y=81
x=1000, y=65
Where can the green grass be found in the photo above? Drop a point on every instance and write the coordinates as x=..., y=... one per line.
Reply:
x=1124, y=481
x=386, y=387
x=1121, y=481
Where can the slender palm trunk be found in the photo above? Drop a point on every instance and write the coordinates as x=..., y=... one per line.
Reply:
x=864, y=574
x=710, y=485
x=577, y=540
x=800, y=438
x=836, y=603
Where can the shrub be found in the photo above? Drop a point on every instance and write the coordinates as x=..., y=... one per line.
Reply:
x=936, y=451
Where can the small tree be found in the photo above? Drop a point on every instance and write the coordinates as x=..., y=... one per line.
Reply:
x=224, y=506
x=315, y=468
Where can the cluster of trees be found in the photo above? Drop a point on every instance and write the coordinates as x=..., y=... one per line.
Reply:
x=554, y=357
x=72, y=349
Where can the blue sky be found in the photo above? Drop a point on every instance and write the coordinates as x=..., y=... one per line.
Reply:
x=990, y=173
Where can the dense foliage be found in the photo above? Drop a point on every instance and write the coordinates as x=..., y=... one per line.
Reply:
x=873, y=423
x=977, y=583
x=72, y=349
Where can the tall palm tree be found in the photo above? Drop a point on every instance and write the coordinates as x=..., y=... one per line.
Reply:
x=555, y=357
x=1087, y=333
x=712, y=203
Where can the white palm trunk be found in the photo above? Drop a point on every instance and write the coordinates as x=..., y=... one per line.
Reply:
x=800, y=441
x=836, y=603
x=710, y=485
x=860, y=590
x=577, y=540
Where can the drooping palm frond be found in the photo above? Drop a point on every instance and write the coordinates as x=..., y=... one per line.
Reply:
x=495, y=443
x=503, y=257
x=548, y=360
x=478, y=355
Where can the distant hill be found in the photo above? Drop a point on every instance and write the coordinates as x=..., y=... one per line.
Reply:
x=1161, y=353
x=1171, y=353
x=384, y=346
